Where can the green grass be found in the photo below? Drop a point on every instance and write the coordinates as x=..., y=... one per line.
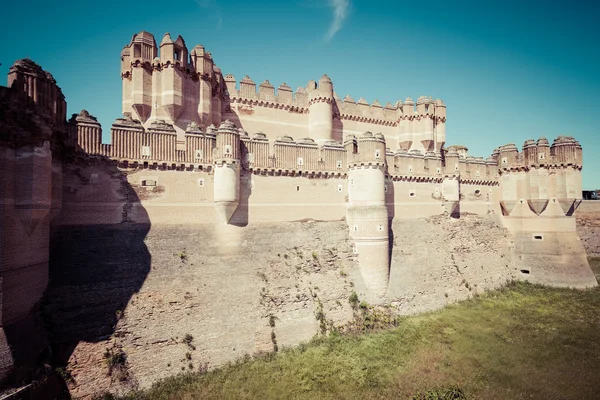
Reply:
x=520, y=342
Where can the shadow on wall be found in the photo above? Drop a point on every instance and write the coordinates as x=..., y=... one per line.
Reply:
x=389, y=203
x=240, y=216
x=98, y=258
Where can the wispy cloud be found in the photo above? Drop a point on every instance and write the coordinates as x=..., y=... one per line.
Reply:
x=340, y=8
x=212, y=5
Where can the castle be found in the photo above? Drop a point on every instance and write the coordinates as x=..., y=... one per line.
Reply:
x=197, y=148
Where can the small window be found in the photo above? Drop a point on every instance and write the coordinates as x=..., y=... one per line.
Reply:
x=297, y=188
x=354, y=249
x=504, y=160
x=351, y=182
x=385, y=188
x=355, y=228
x=146, y=151
x=410, y=169
x=477, y=192
x=412, y=193
x=137, y=50
x=300, y=161
x=148, y=182
x=476, y=173
x=199, y=155
x=456, y=167
x=227, y=149
x=525, y=271
x=338, y=164
x=380, y=228
x=340, y=188
x=201, y=182
x=541, y=156
x=377, y=153
x=538, y=237
x=438, y=170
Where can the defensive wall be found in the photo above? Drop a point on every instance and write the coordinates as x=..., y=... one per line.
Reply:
x=202, y=219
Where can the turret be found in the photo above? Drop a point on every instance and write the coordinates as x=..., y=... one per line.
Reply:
x=89, y=133
x=406, y=113
x=136, y=74
x=439, y=125
x=227, y=158
x=566, y=156
x=204, y=66
x=367, y=214
x=320, y=105
x=172, y=79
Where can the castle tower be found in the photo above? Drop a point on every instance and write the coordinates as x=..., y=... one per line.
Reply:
x=439, y=124
x=567, y=156
x=451, y=184
x=367, y=213
x=136, y=74
x=174, y=60
x=320, y=105
x=539, y=191
x=227, y=159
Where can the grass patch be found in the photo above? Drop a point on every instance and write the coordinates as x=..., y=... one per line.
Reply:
x=521, y=342
x=595, y=264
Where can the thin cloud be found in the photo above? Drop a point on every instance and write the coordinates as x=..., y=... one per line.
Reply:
x=341, y=9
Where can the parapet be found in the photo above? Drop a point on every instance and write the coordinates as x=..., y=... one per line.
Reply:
x=564, y=151
x=346, y=108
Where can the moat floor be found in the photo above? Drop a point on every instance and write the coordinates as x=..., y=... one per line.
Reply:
x=520, y=342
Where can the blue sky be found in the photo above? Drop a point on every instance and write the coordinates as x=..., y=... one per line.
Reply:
x=507, y=71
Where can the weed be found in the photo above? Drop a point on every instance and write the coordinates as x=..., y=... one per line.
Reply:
x=188, y=339
x=353, y=300
x=182, y=256
x=65, y=375
x=262, y=276
x=451, y=393
x=116, y=362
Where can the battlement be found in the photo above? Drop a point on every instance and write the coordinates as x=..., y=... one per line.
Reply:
x=345, y=109
x=564, y=151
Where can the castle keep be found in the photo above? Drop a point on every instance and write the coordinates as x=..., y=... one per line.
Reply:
x=200, y=156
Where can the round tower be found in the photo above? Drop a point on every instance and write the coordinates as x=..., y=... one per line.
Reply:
x=367, y=213
x=227, y=170
x=320, y=106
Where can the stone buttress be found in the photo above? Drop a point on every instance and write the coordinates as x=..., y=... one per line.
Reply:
x=227, y=159
x=367, y=214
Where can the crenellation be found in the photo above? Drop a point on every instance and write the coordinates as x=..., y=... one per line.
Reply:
x=285, y=94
